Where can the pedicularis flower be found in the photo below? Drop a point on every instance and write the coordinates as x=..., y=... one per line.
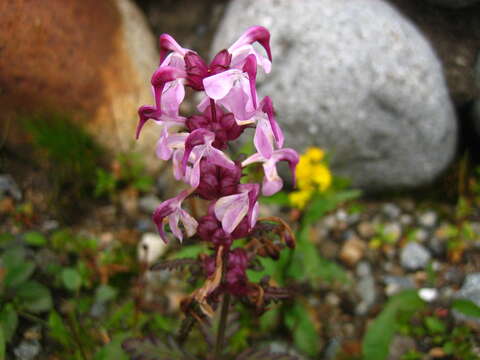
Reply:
x=196, y=145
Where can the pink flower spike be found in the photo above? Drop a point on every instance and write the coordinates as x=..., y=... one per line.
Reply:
x=167, y=44
x=253, y=34
x=171, y=210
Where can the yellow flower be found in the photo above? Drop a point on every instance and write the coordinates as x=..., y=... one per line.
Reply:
x=314, y=154
x=300, y=198
x=322, y=177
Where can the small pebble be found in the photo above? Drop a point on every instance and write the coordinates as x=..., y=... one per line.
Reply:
x=414, y=256
x=428, y=219
x=391, y=210
x=341, y=215
x=150, y=248
x=352, y=250
x=406, y=219
x=428, y=294
x=395, y=284
x=27, y=350
x=366, y=230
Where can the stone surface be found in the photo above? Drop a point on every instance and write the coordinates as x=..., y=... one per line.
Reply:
x=395, y=284
x=358, y=79
x=10, y=187
x=365, y=288
x=453, y=3
x=27, y=350
x=352, y=250
x=150, y=248
x=89, y=59
x=414, y=256
x=471, y=291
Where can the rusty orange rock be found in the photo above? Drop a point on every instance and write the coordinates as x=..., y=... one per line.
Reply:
x=90, y=59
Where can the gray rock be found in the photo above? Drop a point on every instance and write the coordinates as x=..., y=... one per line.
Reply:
x=27, y=350
x=414, y=256
x=453, y=3
x=365, y=288
x=149, y=203
x=9, y=186
x=470, y=291
x=358, y=79
x=395, y=284
x=392, y=211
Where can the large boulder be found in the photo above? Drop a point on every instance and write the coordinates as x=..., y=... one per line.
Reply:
x=90, y=59
x=358, y=79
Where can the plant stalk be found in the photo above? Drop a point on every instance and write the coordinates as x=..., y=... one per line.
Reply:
x=222, y=326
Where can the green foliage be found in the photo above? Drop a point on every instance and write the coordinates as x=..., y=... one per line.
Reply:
x=70, y=154
x=380, y=333
x=300, y=324
x=129, y=171
x=466, y=307
x=325, y=202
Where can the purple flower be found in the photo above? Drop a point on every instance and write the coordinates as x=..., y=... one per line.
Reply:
x=222, y=124
x=198, y=145
x=272, y=183
x=232, y=209
x=172, y=211
x=217, y=181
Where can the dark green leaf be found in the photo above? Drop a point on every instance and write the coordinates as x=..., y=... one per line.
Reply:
x=58, y=330
x=34, y=297
x=105, y=293
x=466, y=307
x=435, y=325
x=380, y=333
x=8, y=321
x=301, y=327
x=35, y=238
x=18, y=273
x=113, y=350
x=71, y=279
x=324, y=202
x=152, y=348
x=2, y=344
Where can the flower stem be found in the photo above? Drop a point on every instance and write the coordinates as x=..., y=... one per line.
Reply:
x=222, y=326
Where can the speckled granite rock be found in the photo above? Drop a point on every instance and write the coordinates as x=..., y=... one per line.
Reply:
x=356, y=78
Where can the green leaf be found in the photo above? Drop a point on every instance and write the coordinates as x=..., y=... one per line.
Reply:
x=379, y=335
x=71, y=279
x=18, y=273
x=299, y=323
x=8, y=321
x=435, y=325
x=105, y=293
x=35, y=238
x=113, y=350
x=324, y=202
x=58, y=330
x=466, y=307
x=2, y=344
x=34, y=297
x=191, y=251
x=280, y=198
x=152, y=348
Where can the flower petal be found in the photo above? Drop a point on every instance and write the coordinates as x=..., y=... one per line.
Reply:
x=263, y=138
x=219, y=85
x=267, y=107
x=167, y=44
x=231, y=210
x=253, y=34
